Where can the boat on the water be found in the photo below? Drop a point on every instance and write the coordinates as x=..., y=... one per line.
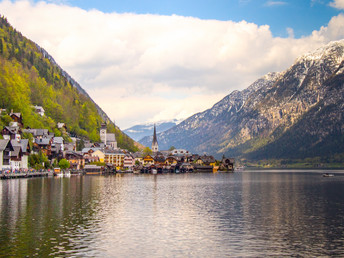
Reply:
x=327, y=175
x=241, y=168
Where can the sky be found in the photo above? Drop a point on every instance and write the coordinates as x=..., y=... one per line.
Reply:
x=147, y=60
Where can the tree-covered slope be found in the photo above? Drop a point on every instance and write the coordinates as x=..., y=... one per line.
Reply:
x=28, y=77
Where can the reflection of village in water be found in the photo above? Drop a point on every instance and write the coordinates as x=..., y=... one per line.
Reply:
x=94, y=158
x=248, y=210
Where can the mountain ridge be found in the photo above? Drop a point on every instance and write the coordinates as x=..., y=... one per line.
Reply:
x=138, y=132
x=29, y=76
x=246, y=123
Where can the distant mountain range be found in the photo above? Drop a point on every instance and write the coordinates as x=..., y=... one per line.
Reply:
x=297, y=113
x=137, y=132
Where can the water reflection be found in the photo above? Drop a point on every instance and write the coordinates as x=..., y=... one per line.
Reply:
x=241, y=214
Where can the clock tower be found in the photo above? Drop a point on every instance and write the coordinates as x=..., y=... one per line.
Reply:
x=103, y=133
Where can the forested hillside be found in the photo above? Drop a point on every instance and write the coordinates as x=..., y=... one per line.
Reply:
x=29, y=77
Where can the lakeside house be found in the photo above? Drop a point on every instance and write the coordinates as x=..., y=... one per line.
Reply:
x=129, y=161
x=114, y=157
x=5, y=153
x=15, y=151
x=75, y=159
x=20, y=154
x=148, y=160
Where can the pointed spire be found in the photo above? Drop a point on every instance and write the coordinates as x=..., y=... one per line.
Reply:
x=154, y=135
x=155, y=147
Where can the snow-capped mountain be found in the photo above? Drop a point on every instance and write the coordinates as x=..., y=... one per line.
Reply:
x=137, y=132
x=295, y=113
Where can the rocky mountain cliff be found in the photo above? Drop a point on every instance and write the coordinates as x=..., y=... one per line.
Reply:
x=295, y=113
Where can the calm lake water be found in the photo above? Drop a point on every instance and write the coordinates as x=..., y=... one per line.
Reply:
x=257, y=213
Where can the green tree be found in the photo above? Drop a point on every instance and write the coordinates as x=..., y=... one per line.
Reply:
x=147, y=151
x=80, y=144
x=172, y=148
x=39, y=161
x=1, y=47
x=64, y=164
x=6, y=119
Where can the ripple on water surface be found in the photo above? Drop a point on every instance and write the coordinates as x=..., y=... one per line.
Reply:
x=197, y=215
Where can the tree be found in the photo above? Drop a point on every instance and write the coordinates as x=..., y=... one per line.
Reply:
x=1, y=47
x=80, y=144
x=147, y=151
x=172, y=148
x=64, y=164
x=39, y=161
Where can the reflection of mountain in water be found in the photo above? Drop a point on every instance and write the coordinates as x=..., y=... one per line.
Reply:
x=255, y=214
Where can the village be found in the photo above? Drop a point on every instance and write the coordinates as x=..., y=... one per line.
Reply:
x=19, y=154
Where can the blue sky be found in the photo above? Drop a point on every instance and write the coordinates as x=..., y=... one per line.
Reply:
x=303, y=16
x=148, y=60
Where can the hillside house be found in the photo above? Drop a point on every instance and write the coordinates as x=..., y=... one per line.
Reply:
x=11, y=132
x=61, y=126
x=75, y=159
x=39, y=110
x=20, y=154
x=44, y=145
x=57, y=147
x=17, y=117
x=5, y=154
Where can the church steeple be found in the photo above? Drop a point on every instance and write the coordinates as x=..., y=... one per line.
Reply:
x=155, y=147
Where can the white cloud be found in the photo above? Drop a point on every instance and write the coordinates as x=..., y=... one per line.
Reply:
x=275, y=3
x=150, y=67
x=290, y=32
x=339, y=4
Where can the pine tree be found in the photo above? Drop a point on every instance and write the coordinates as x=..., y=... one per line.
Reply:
x=1, y=47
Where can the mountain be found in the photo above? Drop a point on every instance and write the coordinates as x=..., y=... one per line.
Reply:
x=137, y=132
x=294, y=114
x=29, y=76
x=73, y=82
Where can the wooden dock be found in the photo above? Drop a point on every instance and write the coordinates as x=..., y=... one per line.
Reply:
x=12, y=175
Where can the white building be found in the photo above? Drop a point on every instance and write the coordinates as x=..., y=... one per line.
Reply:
x=109, y=139
x=39, y=110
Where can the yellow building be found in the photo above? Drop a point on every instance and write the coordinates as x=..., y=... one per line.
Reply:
x=99, y=154
x=115, y=158
x=148, y=160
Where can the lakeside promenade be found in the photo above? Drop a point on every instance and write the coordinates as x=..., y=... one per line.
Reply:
x=13, y=175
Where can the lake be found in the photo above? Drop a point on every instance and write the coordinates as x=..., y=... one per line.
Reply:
x=250, y=213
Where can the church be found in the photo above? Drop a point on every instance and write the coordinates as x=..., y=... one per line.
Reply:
x=109, y=139
x=155, y=146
